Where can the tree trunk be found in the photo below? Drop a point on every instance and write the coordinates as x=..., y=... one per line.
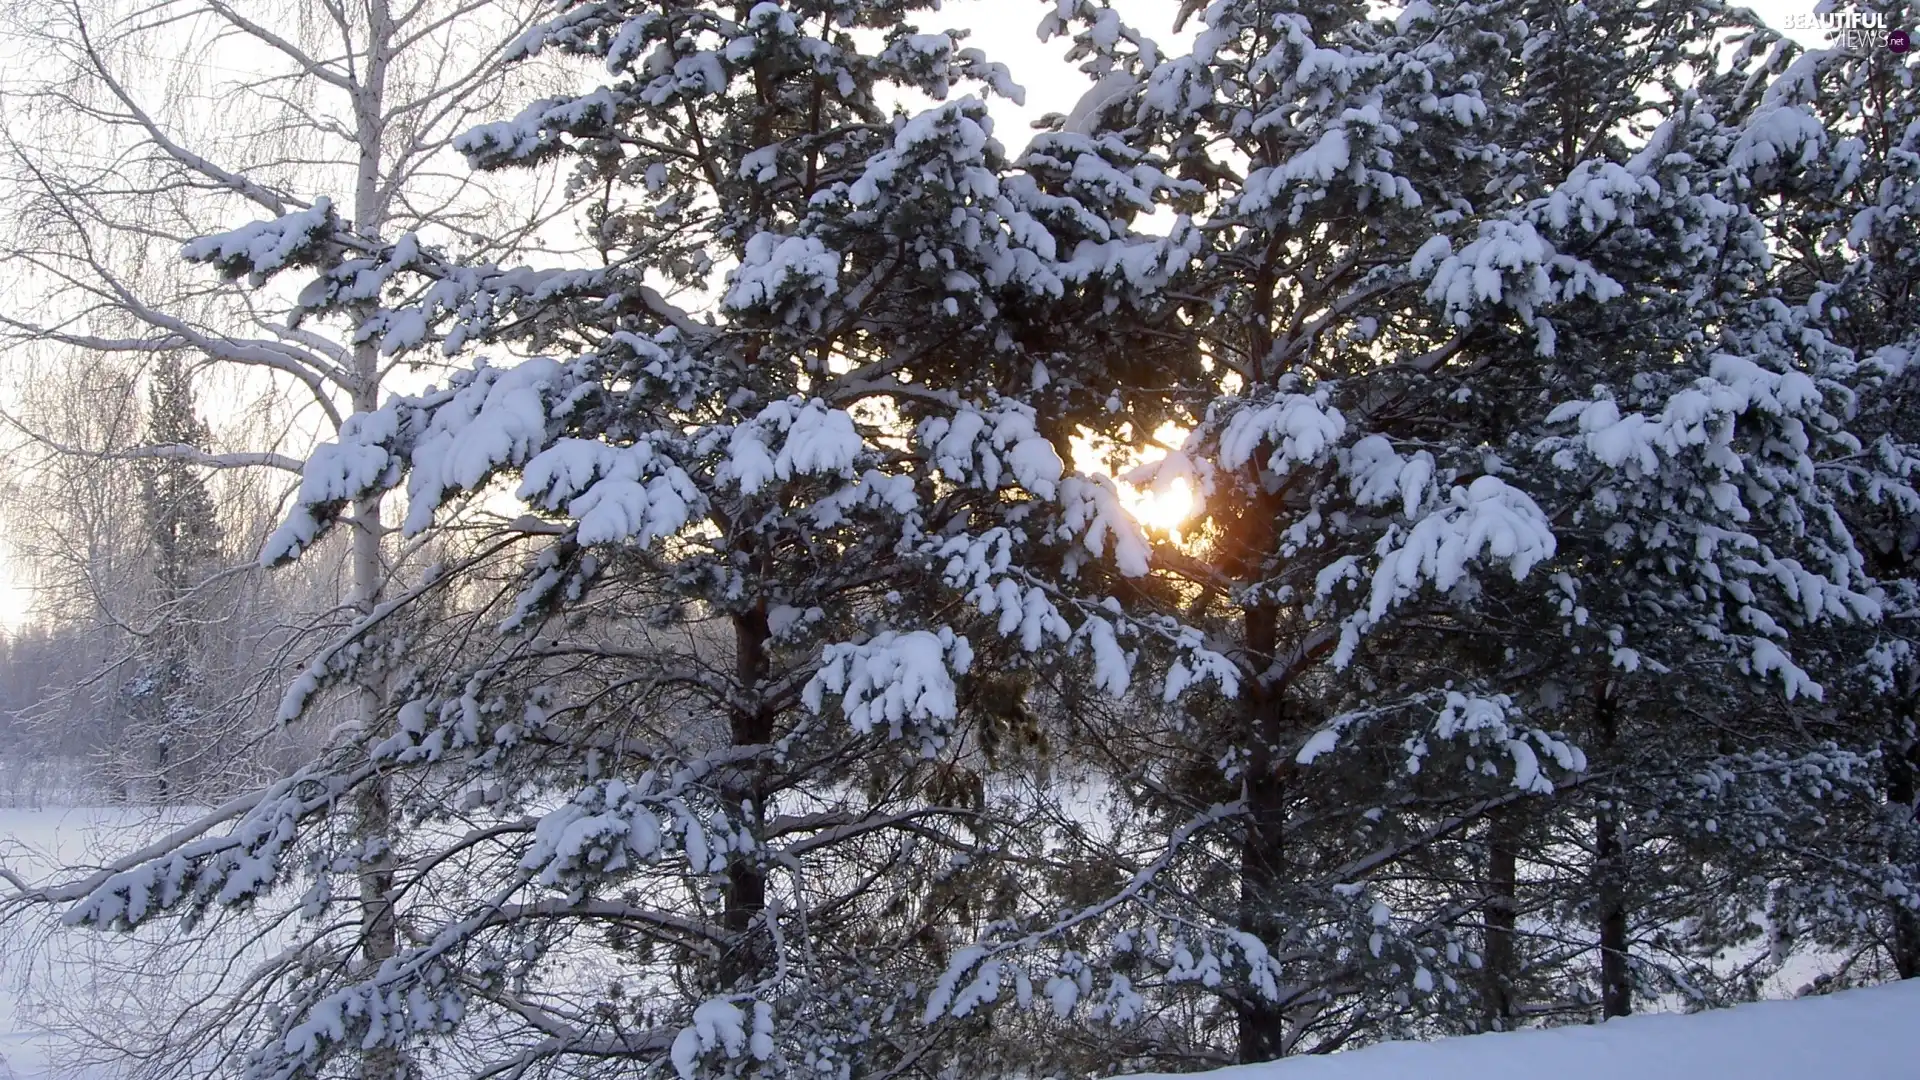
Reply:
x=379, y=926
x=752, y=725
x=379, y=930
x=1616, y=988
x=1261, y=1024
x=1610, y=870
x=1906, y=942
x=162, y=792
x=1903, y=794
x=1502, y=965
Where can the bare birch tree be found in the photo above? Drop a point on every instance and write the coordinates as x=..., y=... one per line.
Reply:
x=139, y=127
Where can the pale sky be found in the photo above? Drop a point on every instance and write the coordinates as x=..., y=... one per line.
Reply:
x=1005, y=30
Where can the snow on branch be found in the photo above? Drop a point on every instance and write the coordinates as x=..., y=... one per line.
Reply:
x=894, y=682
x=1488, y=519
x=210, y=870
x=1509, y=264
x=612, y=825
x=500, y=416
x=1092, y=510
x=720, y=1027
x=1300, y=428
x=987, y=447
x=986, y=962
x=617, y=494
x=816, y=439
x=776, y=272
x=1476, y=721
x=263, y=248
x=356, y=462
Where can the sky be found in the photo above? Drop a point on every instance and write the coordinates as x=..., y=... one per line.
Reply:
x=1004, y=29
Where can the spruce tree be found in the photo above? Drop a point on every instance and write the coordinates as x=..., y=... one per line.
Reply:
x=184, y=537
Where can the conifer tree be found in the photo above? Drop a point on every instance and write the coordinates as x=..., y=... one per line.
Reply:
x=1845, y=229
x=184, y=540
x=1552, y=490
x=732, y=723
x=1513, y=489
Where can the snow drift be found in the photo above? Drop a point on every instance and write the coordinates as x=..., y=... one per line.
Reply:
x=1856, y=1035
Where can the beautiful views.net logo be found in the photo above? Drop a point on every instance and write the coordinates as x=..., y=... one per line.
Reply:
x=1854, y=31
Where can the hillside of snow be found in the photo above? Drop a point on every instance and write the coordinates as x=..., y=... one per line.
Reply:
x=1870, y=1034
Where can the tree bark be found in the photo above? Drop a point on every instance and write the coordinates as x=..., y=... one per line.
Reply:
x=379, y=930
x=379, y=925
x=1261, y=1024
x=1903, y=794
x=1502, y=966
x=751, y=725
x=1610, y=869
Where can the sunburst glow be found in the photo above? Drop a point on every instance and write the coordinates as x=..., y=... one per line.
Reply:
x=1159, y=511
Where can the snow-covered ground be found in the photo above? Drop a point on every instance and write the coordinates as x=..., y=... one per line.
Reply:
x=1870, y=1034
x=46, y=975
x=28, y=838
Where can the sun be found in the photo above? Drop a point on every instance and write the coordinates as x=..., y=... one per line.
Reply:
x=1159, y=511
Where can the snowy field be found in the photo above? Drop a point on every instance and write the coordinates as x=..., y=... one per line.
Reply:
x=48, y=978
x=28, y=838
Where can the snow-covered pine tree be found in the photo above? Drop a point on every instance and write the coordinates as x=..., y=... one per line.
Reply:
x=1655, y=864
x=691, y=778
x=1847, y=259
x=1326, y=143
x=1512, y=457
x=175, y=504
x=1731, y=795
x=1522, y=463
